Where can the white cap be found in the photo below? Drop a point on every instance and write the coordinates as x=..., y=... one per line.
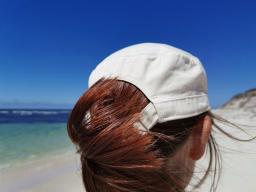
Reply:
x=172, y=79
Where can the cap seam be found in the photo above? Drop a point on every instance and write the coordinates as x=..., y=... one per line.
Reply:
x=183, y=116
x=167, y=99
x=154, y=55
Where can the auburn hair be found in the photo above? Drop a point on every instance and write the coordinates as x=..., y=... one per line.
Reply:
x=115, y=155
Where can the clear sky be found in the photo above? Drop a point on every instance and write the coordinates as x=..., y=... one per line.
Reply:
x=48, y=48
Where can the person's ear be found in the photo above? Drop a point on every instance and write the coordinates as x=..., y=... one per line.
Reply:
x=200, y=136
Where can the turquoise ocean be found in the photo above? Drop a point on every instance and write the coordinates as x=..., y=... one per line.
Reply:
x=26, y=135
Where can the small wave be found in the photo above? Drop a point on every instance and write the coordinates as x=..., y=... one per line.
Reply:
x=22, y=112
x=30, y=112
x=5, y=166
x=4, y=112
x=35, y=115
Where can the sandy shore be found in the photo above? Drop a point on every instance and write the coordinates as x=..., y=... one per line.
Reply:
x=53, y=174
x=62, y=173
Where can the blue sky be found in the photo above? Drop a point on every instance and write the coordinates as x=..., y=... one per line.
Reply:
x=48, y=48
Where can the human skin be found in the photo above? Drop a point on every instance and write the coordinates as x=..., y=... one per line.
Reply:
x=193, y=149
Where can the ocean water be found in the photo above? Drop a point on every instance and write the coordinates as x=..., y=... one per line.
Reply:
x=26, y=135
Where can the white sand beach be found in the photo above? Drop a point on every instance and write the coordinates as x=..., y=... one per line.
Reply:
x=62, y=173
x=55, y=174
x=238, y=158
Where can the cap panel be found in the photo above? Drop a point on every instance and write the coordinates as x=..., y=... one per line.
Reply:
x=183, y=77
x=166, y=75
x=182, y=107
x=172, y=79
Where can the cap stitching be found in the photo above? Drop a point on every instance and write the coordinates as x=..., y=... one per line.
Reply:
x=166, y=99
x=183, y=116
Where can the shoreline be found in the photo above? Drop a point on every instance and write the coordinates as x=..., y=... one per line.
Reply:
x=59, y=173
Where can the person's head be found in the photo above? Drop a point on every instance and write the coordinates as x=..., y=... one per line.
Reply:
x=116, y=156
x=143, y=129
